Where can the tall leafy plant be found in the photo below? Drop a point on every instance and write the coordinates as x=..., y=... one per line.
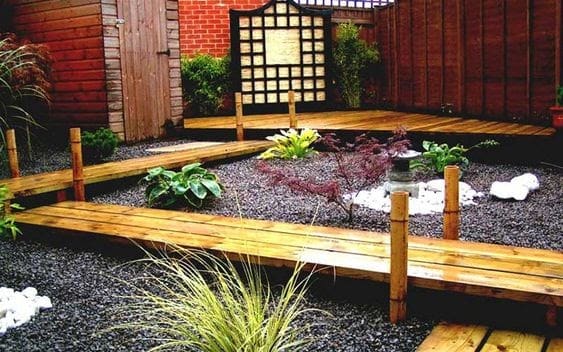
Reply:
x=205, y=79
x=291, y=144
x=25, y=72
x=351, y=56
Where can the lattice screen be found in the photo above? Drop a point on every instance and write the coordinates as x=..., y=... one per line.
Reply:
x=280, y=47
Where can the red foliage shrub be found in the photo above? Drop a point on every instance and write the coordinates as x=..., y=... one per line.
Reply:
x=359, y=165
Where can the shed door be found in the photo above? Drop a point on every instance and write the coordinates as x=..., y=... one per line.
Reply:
x=144, y=67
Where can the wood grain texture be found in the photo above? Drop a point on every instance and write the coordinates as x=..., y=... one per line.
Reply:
x=503, y=340
x=487, y=270
x=54, y=181
x=453, y=338
x=372, y=120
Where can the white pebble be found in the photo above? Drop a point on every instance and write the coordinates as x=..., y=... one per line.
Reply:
x=18, y=308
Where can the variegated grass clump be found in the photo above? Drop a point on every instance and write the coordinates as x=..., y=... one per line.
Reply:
x=198, y=301
x=291, y=144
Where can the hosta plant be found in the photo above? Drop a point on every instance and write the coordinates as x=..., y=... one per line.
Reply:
x=291, y=144
x=437, y=156
x=194, y=301
x=191, y=185
x=8, y=227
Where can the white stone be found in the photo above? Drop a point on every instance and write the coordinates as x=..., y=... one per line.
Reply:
x=528, y=180
x=29, y=292
x=430, y=198
x=508, y=190
x=18, y=308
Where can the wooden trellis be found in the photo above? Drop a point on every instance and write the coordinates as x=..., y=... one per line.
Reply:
x=279, y=47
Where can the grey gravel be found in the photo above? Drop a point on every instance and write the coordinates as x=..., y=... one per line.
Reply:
x=83, y=281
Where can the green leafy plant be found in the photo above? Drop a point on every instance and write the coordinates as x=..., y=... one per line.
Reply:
x=352, y=56
x=291, y=144
x=559, y=95
x=196, y=301
x=205, y=80
x=8, y=227
x=192, y=185
x=437, y=156
x=25, y=71
x=99, y=144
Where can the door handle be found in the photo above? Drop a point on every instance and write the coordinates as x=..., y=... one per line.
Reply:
x=164, y=52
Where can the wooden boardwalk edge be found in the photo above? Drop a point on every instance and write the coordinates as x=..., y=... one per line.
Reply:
x=534, y=275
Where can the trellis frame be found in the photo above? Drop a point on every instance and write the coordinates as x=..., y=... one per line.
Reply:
x=264, y=85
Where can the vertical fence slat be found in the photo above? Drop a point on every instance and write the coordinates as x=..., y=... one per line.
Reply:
x=238, y=108
x=558, y=38
x=461, y=55
x=529, y=56
x=77, y=166
x=12, y=150
x=451, y=202
x=399, y=256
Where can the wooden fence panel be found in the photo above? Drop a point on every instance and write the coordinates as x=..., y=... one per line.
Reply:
x=496, y=59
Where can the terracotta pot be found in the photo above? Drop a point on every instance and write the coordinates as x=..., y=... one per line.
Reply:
x=557, y=117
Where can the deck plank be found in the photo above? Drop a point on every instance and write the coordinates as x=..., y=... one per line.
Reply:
x=537, y=278
x=513, y=341
x=453, y=338
x=373, y=120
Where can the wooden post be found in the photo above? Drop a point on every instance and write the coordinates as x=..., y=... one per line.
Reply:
x=399, y=249
x=451, y=202
x=238, y=107
x=291, y=104
x=77, y=167
x=551, y=316
x=12, y=149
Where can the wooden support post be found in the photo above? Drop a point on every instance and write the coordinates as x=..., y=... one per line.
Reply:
x=12, y=149
x=451, y=202
x=238, y=107
x=7, y=207
x=291, y=104
x=77, y=166
x=399, y=249
x=61, y=195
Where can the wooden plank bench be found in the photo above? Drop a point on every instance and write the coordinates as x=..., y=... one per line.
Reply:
x=472, y=338
x=60, y=180
x=520, y=274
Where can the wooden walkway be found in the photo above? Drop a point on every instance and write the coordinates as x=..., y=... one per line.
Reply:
x=58, y=180
x=519, y=274
x=475, y=338
x=372, y=120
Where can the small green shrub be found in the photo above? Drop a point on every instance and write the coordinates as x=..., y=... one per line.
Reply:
x=8, y=227
x=352, y=56
x=99, y=144
x=291, y=144
x=196, y=301
x=437, y=156
x=559, y=95
x=192, y=185
x=205, y=80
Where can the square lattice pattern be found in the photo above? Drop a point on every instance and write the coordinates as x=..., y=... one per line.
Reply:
x=282, y=49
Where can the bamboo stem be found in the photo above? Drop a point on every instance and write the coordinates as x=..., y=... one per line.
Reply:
x=399, y=256
x=12, y=149
x=292, y=114
x=451, y=202
x=77, y=166
x=238, y=107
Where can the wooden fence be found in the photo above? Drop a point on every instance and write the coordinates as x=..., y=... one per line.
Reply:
x=497, y=59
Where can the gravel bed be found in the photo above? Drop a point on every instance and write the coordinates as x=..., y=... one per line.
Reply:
x=83, y=281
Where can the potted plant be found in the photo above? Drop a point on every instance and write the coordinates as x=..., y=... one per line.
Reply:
x=557, y=111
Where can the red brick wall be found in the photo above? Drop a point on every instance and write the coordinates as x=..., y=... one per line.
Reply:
x=204, y=25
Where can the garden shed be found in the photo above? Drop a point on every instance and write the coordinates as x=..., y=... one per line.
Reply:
x=116, y=62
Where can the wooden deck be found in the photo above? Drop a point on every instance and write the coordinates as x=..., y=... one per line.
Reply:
x=372, y=120
x=519, y=274
x=472, y=338
x=58, y=180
